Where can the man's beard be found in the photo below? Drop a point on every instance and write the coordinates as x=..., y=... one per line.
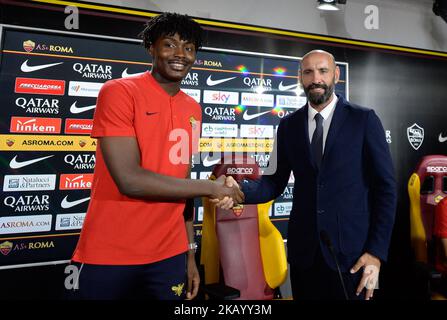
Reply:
x=316, y=98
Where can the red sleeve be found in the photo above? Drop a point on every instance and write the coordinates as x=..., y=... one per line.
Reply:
x=441, y=219
x=114, y=114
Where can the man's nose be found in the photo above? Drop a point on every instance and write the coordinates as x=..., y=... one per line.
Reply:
x=317, y=78
x=180, y=51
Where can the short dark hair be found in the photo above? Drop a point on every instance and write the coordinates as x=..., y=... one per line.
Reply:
x=168, y=24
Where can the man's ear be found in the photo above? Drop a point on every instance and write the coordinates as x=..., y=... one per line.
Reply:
x=337, y=74
x=151, y=50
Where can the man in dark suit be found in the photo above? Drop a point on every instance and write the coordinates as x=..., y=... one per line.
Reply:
x=344, y=197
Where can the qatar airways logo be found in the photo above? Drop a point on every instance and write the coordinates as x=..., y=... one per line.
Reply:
x=84, y=161
x=220, y=113
x=93, y=71
x=76, y=181
x=258, y=85
x=191, y=79
x=288, y=193
x=38, y=105
x=28, y=203
x=261, y=159
x=35, y=125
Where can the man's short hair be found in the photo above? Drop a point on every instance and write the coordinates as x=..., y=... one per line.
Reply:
x=168, y=24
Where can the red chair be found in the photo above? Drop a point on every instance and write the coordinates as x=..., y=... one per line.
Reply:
x=426, y=188
x=241, y=248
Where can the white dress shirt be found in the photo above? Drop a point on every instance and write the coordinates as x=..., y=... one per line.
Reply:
x=326, y=113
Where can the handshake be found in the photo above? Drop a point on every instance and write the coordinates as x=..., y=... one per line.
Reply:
x=226, y=193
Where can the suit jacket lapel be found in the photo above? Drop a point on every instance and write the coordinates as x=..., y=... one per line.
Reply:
x=303, y=131
x=338, y=119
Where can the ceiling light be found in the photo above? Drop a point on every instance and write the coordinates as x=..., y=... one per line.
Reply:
x=328, y=5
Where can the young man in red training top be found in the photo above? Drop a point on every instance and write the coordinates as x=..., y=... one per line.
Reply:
x=134, y=241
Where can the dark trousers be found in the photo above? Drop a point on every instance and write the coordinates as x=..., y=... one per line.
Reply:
x=161, y=280
x=322, y=283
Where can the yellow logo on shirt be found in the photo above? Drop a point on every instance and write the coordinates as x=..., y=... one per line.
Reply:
x=178, y=289
x=193, y=122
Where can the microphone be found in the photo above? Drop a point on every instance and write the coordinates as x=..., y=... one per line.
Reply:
x=327, y=241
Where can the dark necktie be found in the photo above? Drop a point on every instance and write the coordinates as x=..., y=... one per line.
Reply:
x=317, y=140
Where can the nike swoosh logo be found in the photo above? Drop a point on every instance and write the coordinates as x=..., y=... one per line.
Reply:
x=282, y=87
x=26, y=68
x=150, y=113
x=211, y=82
x=441, y=138
x=208, y=163
x=68, y=204
x=14, y=164
x=75, y=109
x=247, y=116
x=125, y=74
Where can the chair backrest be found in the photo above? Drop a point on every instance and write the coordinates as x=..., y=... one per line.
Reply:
x=241, y=247
x=441, y=213
x=426, y=187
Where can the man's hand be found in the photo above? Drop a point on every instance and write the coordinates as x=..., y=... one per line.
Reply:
x=193, y=277
x=226, y=202
x=370, y=277
x=228, y=193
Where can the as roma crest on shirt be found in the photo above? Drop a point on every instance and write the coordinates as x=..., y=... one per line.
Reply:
x=193, y=122
x=237, y=210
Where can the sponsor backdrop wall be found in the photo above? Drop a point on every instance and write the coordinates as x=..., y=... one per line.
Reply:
x=49, y=82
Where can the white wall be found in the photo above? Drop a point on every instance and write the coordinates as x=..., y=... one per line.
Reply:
x=402, y=22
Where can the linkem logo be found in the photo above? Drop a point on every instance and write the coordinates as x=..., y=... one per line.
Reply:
x=35, y=125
